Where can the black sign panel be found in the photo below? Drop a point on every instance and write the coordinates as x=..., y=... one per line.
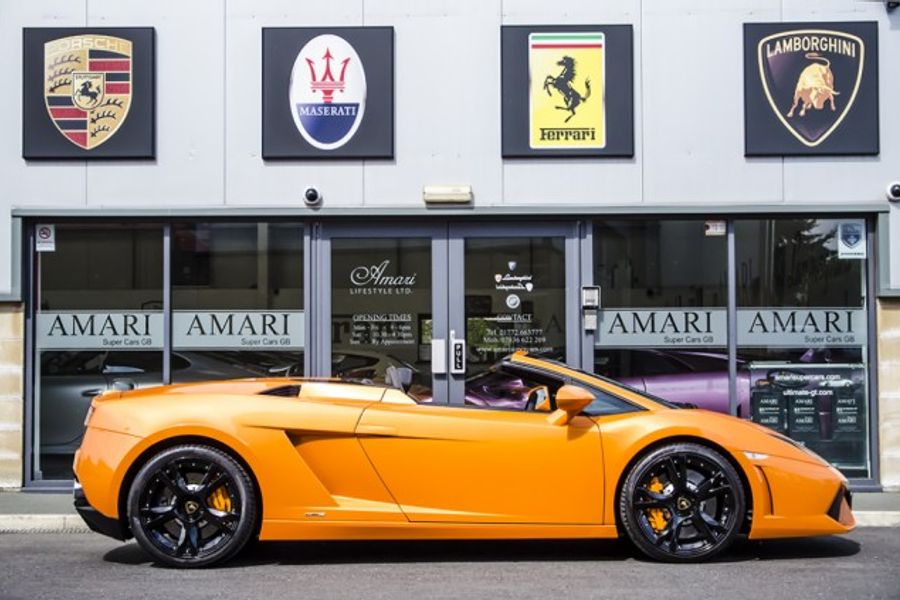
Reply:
x=810, y=88
x=328, y=93
x=567, y=91
x=88, y=93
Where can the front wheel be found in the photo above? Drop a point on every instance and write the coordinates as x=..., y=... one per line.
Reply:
x=682, y=503
x=192, y=506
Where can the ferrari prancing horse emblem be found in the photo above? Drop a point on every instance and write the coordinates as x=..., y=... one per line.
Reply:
x=87, y=86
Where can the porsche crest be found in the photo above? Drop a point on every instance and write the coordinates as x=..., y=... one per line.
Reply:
x=87, y=86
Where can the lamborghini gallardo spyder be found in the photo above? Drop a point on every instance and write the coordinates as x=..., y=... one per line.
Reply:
x=194, y=471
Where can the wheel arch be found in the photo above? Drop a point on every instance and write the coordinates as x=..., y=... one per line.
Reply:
x=179, y=440
x=677, y=439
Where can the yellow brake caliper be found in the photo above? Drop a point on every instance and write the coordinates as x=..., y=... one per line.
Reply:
x=657, y=516
x=220, y=499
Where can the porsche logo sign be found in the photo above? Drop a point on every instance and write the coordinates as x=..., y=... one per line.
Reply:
x=87, y=86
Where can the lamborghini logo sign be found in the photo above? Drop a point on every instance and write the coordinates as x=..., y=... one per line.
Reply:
x=87, y=86
x=811, y=78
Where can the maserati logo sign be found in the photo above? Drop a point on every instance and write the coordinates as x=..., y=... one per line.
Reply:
x=327, y=92
x=810, y=88
x=87, y=86
x=811, y=78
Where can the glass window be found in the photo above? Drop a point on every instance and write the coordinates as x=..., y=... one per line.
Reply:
x=663, y=323
x=802, y=334
x=515, y=298
x=98, y=324
x=381, y=309
x=237, y=299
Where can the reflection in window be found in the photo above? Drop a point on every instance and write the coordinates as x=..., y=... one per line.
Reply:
x=802, y=336
x=237, y=297
x=98, y=325
x=663, y=325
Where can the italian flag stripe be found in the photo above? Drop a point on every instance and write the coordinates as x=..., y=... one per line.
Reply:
x=566, y=40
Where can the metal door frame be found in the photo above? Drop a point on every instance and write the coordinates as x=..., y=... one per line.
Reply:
x=459, y=232
x=322, y=298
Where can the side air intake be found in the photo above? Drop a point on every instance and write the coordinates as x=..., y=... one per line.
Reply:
x=285, y=391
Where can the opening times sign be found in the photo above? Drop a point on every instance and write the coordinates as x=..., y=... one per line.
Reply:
x=144, y=330
x=708, y=327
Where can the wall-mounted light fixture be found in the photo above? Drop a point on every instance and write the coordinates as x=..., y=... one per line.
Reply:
x=447, y=194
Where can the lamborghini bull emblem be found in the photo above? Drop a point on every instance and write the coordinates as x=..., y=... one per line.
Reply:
x=811, y=78
x=87, y=86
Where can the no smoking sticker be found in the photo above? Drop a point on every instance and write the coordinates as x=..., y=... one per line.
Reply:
x=45, y=238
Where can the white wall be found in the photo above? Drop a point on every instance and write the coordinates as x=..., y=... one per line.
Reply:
x=688, y=110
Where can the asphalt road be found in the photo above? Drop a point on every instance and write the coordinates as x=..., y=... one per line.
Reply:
x=865, y=564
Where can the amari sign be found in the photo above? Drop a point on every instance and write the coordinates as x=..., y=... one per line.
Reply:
x=811, y=88
x=708, y=327
x=110, y=330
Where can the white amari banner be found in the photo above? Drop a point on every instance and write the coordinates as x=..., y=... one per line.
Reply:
x=238, y=330
x=109, y=330
x=699, y=327
x=661, y=327
x=802, y=327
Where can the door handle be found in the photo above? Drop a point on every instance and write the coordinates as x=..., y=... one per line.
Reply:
x=91, y=392
x=376, y=430
x=457, y=354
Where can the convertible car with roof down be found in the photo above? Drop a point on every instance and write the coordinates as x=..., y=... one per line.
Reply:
x=194, y=471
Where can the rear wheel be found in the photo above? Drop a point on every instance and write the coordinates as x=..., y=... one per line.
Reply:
x=682, y=503
x=192, y=506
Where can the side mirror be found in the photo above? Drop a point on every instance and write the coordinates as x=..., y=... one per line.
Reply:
x=570, y=401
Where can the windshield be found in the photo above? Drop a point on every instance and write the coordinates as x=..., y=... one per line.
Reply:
x=589, y=376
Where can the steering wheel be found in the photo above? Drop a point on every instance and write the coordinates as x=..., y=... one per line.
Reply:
x=536, y=398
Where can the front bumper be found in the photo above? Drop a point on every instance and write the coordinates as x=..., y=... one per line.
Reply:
x=94, y=519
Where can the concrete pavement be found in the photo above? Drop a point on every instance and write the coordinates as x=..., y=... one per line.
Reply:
x=860, y=565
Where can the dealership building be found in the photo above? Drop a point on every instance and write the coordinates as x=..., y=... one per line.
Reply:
x=691, y=197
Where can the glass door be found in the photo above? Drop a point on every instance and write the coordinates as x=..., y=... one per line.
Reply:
x=512, y=287
x=386, y=295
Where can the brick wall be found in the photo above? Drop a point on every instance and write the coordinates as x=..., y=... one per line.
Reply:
x=889, y=391
x=12, y=368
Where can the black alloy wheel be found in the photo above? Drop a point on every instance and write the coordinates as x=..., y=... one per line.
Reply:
x=192, y=506
x=682, y=503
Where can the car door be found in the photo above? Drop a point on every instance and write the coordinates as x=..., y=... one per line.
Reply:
x=480, y=465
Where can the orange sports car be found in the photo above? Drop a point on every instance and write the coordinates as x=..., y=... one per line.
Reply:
x=195, y=471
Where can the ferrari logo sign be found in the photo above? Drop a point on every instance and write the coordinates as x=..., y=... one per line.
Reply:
x=87, y=86
x=566, y=103
x=811, y=78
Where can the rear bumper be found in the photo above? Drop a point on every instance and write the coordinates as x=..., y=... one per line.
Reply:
x=94, y=519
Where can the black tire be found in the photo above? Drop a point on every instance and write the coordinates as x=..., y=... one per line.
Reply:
x=192, y=506
x=695, y=510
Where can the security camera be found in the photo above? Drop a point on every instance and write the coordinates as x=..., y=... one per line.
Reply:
x=311, y=196
x=893, y=191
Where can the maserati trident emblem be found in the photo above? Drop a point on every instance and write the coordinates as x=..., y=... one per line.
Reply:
x=811, y=77
x=327, y=92
x=683, y=503
x=87, y=86
x=190, y=507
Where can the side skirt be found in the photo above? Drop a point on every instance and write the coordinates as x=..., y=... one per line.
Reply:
x=304, y=530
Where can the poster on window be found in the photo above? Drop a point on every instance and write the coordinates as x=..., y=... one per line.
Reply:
x=822, y=406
